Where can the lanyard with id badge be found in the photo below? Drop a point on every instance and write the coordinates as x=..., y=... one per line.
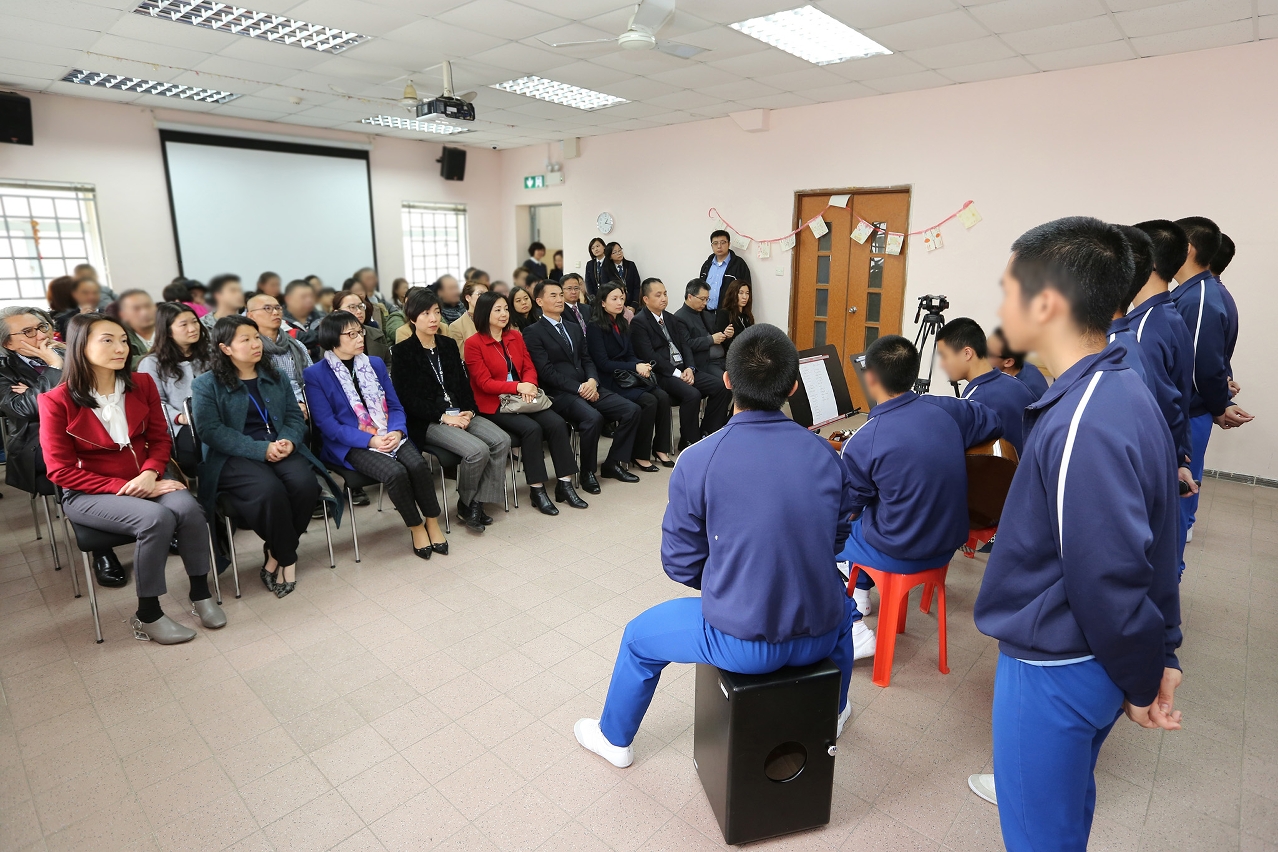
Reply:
x=432, y=356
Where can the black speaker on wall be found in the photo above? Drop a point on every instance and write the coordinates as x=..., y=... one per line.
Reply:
x=452, y=163
x=15, y=119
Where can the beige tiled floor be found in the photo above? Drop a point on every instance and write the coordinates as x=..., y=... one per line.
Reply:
x=405, y=705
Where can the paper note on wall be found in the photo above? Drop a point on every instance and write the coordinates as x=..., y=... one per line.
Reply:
x=816, y=382
x=968, y=216
x=932, y=239
x=763, y=250
x=787, y=243
x=818, y=227
x=862, y=231
x=894, y=242
x=839, y=200
x=740, y=244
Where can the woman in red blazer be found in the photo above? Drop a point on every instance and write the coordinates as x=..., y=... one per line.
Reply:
x=106, y=443
x=499, y=363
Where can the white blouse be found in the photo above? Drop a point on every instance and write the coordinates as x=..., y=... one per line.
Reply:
x=110, y=411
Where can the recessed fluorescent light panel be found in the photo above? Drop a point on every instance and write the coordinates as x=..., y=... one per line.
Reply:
x=812, y=35
x=232, y=19
x=413, y=124
x=148, y=87
x=559, y=93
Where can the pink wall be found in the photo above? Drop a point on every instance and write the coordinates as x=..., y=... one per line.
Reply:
x=1120, y=142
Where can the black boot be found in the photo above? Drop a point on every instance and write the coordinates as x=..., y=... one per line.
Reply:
x=614, y=470
x=588, y=483
x=565, y=493
x=358, y=497
x=108, y=570
x=466, y=514
x=478, y=508
x=541, y=500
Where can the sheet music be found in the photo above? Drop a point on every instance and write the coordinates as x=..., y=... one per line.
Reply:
x=816, y=381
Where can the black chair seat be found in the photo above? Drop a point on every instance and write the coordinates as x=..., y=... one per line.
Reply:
x=90, y=540
x=352, y=478
x=447, y=458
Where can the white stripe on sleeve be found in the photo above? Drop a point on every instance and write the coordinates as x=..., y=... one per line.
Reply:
x=1069, y=451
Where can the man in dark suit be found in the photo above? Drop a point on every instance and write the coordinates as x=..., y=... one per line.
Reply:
x=659, y=337
x=706, y=343
x=575, y=310
x=564, y=369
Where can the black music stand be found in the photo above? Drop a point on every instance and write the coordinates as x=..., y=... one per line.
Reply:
x=801, y=406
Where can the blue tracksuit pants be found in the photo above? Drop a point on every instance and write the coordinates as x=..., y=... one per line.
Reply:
x=676, y=632
x=1049, y=724
x=1199, y=435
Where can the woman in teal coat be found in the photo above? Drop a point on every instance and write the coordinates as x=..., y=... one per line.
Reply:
x=255, y=450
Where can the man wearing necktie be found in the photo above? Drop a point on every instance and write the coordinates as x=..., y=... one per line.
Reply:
x=557, y=345
x=574, y=308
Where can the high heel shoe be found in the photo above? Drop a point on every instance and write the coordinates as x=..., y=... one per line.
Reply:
x=646, y=467
x=268, y=578
x=283, y=587
x=425, y=552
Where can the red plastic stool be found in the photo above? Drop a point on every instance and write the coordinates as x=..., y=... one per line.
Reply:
x=894, y=594
x=976, y=539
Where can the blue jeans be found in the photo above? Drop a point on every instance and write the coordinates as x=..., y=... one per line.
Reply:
x=861, y=551
x=676, y=632
x=1049, y=724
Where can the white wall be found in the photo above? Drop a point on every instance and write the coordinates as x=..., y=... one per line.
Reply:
x=1168, y=137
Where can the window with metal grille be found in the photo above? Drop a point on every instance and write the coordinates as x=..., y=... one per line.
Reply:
x=46, y=229
x=435, y=242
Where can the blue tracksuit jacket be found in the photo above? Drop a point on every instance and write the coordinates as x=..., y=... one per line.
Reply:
x=1007, y=397
x=1169, y=359
x=1201, y=305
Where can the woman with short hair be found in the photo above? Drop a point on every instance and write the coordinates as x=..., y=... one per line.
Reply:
x=353, y=303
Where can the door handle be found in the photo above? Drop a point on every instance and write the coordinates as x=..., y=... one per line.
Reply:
x=852, y=309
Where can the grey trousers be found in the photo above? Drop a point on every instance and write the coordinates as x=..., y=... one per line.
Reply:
x=484, y=449
x=154, y=522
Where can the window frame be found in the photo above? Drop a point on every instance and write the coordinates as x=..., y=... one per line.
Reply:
x=419, y=273
x=90, y=233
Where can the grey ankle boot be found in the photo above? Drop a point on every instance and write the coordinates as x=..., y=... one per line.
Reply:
x=209, y=613
x=165, y=631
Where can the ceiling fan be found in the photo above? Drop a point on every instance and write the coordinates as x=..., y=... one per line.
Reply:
x=410, y=99
x=649, y=17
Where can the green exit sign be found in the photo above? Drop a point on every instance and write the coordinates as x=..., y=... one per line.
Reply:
x=534, y=182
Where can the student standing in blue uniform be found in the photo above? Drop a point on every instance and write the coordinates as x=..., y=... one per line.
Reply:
x=908, y=470
x=961, y=345
x=1004, y=358
x=763, y=558
x=1199, y=301
x=1081, y=591
x=1219, y=262
x=1120, y=329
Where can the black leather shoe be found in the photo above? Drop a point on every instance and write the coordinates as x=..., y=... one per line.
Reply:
x=108, y=570
x=588, y=484
x=478, y=509
x=646, y=467
x=666, y=462
x=358, y=497
x=613, y=470
x=466, y=514
x=565, y=493
x=541, y=500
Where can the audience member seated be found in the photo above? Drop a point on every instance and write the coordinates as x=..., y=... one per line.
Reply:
x=624, y=272
x=518, y=278
x=707, y=345
x=366, y=278
x=87, y=270
x=478, y=275
x=399, y=292
x=608, y=339
x=356, y=411
x=461, y=329
x=375, y=312
x=106, y=444
x=324, y=301
x=300, y=314
x=598, y=252
x=451, y=306
x=431, y=383
x=961, y=345
x=395, y=320
x=180, y=353
x=316, y=282
x=535, y=263
x=227, y=294
x=502, y=288
x=1014, y=364
x=268, y=283
x=659, y=338
x=567, y=373
x=722, y=267
x=763, y=558
x=62, y=304
x=287, y=355
x=575, y=306
x=504, y=380
x=255, y=449
x=557, y=266
x=136, y=309
x=523, y=311
x=736, y=313
x=375, y=343
x=908, y=473
x=199, y=297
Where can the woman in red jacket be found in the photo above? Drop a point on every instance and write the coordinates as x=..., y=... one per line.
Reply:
x=499, y=363
x=106, y=443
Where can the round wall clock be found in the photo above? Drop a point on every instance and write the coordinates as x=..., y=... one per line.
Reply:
x=604, y=222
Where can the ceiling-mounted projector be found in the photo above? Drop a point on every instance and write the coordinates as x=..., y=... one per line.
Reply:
x=446, y=107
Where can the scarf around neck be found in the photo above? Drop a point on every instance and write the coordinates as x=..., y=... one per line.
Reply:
x=371, y=411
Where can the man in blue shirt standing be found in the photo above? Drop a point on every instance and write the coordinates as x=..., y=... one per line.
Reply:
x=722, y=267
x=1081, y=591
x=763, y=557
x=961, y=345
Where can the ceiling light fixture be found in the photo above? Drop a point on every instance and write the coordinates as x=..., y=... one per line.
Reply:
x=559, y=93
x=397, y=123
x=148, y=87
x=811, y=35
x=225, y=18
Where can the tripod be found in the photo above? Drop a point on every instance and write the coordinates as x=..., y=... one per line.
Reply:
x=929, y=325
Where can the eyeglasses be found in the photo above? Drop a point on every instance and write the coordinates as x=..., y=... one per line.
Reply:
x=30, y=333
x=354, y=335
x=354, y=308
x=270, y=309
x=704, y=298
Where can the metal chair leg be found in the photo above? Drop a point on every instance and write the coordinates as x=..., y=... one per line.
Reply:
x=505, y=492
x=354, y=524
x=514, y=483
x=53, y=537
x=35, y=518
x=381, y=496
x=328, y=535
x=93, y=598
x=217, y=583
x=443, y=479
x=235, y=562
x=66, y=533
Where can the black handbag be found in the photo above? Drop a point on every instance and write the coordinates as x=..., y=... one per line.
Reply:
x=627, y=379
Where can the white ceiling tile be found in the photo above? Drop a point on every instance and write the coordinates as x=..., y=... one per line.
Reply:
x=636, y=110
x=908, y=82
x=42, y=32
x=1078, y=57
x=522, y=59
x=25, y=51
x=781, y=100
x=1269, y=26
x=738, y=90
x=28, y=68
x=717, y=109
x=570, y=33
x=348, y=67
x=1013, y=67
x=641, y=62
x=160, y=31
x=1201, y=38
x=10, y=81
x=1130, y=5
x=87, y=16
x=684, y=99
x=872, y=67
x=437, y=37
x=723, y=42
x=424, y=8
x=841, y=92
x=731, y=11
x=1014, y=15
x=502, y=18
x=985, y=49
x=636, y=124
x=862, y=14
x=1266, y=7
x=641, y=89
x=352, y=15
x=237, y=69
x=1187, y=15
x=763, y=64
x=590, y=75
x=1064, y=36
x=145, y=51
x=801, y=81
x=265, y=53
x=928, y=32
x=695, y=75
x=578, y=10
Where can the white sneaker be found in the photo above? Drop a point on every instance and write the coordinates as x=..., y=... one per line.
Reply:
x=983, y=786
x=845, y=569
x=590, y=737
x=843, y=720
x=1189, y=535
x=862, y=641
x=862, y=599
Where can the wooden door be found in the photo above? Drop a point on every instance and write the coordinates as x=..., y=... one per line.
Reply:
x=848, y=293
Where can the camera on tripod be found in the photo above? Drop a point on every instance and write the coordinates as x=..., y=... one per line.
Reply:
x=929, y=320
x=932, y=305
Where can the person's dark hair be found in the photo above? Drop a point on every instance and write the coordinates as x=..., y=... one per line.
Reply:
x=892, y=358
x=568, y=275
x=558, y=253
x=763, y=366
x=395, y=286
x=720, y=233
x=1142, y=262
x=77, y=372
x=138, y=291
x=484, y=307
x=695, y=286
x=1170, y=246
x=176, y=293
x=522, y=321
x=60, y=294
x=264, y=277
x=472, y=286
x=1018, y=358
x=1085, y=260
x=217, y=282
x=328, y=334
x=312, y=277
x=325, y=291
x=590, y=248
x=346, y=295
x=963, y=333
x=418, y=301
x=297, y=284
x=535, y=247
x=729, y=301
x=168, y=354
x=1221, y=259
x=541, y=286
x=646, y=286
x=474, y=273
x=192, y=286
x=1204, y=237
x=602, y=318
x=220, y=364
